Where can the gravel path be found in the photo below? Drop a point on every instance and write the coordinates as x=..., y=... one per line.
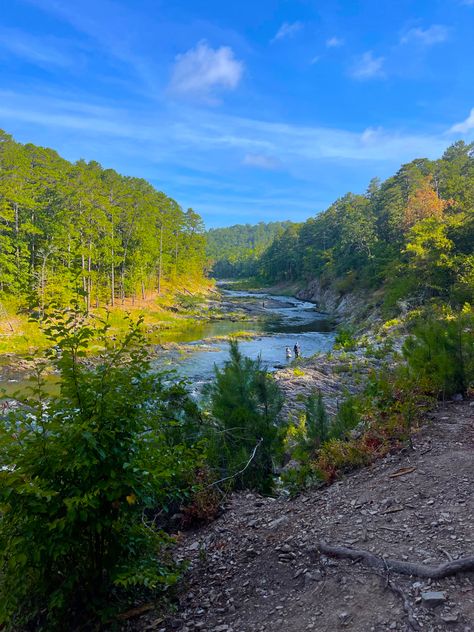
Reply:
x=252, y=569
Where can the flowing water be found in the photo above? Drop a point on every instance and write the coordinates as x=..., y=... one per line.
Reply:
x=275, y=322
x=283, y=321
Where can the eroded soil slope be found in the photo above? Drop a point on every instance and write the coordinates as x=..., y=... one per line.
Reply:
x=253, y=569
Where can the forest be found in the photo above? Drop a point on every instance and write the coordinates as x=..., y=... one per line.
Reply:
x=411, y=236
x=78, y=229
x=233, y=252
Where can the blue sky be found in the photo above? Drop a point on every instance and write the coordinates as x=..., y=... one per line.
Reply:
x=245, y=111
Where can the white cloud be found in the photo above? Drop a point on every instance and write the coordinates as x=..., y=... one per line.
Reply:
x=287, y=29
x=435, y=34
x=315, y=59
x=203, y=70
x=464, y=126
x=262, y=161
x=334, y=42
x=318, y=163
x=368, y=67
x=192, y=133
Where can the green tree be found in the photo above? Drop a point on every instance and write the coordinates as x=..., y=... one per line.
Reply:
x=82, y=475
x=245, y=405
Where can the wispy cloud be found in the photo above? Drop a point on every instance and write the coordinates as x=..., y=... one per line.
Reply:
x=110, y=27
x=315, y=164
x=334, y=42
x=203, y=70
x=367, y=66
x=261, y=161
x=464, y=126
x=40, y=51
x=315, y=59
x=434, y=34
x=208, y=131
x=287, y=29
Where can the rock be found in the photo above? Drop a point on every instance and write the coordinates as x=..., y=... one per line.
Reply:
x=433, y=597
x=450, y=617
x=279, y=522
x=457, y=397
x=344, y=617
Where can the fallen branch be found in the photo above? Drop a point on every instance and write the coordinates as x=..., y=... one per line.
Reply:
x=462, y=565
x=402, y=472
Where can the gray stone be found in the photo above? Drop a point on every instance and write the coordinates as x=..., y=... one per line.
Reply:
x=450, y=617
x=279, y=522
x=433, y=597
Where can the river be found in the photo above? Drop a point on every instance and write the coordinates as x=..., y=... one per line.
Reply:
x=282, y=321
x=274, y=323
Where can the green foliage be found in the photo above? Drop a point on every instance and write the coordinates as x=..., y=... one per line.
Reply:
x=441, y=351
x=410, y=236
x=317, y=421
x=234, y=251
x=345, y=339
x=69, y=230
x=347, y=418
x=84, y=474
x=246, y=438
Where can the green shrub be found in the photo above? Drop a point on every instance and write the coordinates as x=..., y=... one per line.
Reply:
x=345, y=340
x=347, y=418
x=84, y=475
x=245, y=436
x=441, y=350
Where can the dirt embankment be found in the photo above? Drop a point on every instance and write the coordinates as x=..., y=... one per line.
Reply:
x=254, y=569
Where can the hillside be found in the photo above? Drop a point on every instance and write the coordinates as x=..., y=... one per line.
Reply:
x=233, y=251
x=406, y=241
x=256, y=568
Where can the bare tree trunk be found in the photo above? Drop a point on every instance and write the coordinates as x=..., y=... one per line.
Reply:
x=89, y=278
x=161, y=259
x=17, y=232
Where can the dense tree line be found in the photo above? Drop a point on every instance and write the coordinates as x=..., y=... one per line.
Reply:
x=66, y=227
x=412, y=234
x=234, y=251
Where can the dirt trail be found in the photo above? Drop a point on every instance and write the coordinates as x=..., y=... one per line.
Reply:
x=251, y=570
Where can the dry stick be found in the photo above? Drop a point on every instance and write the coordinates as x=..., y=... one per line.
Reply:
x=402, y=472
x=226, y=478
x=462, y=565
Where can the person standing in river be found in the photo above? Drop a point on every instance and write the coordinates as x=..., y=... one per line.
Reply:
x=288, y=353
x=297, y=350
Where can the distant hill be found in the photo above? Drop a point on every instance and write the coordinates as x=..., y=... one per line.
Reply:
x=233, y=251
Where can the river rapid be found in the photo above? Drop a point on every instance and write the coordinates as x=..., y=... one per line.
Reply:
x=273, y=322
x=282, y=321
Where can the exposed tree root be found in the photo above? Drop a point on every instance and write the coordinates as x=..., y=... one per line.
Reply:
x=413, y=623
x=462, y=565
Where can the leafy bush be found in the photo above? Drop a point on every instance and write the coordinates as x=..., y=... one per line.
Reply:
x=441, y=350
x=84, y=476
x=345, y=340
x=245, y=433
x=347, y=418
